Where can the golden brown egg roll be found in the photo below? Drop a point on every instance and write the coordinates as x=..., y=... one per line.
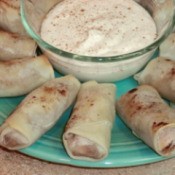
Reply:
x=13, y=46
x=150, y=118
x=38, y=112
x=20, y=76
x=159, y=73
x=88, y=132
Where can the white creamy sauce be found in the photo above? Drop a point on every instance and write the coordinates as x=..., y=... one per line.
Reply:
x=98, y=27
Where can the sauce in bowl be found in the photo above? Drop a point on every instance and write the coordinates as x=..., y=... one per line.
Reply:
x=98, y=28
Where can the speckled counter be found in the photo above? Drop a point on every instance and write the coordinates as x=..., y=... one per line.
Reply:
x=14, y=163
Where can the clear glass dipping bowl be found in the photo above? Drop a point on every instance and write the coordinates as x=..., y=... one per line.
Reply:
x=102, y=69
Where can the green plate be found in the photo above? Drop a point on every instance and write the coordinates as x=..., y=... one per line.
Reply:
x=125, y=148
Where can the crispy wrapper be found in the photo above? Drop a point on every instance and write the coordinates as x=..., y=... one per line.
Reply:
x=150, y=118
x=88, y=132
x=14, y=46
x=21, y=76
x=159, y=73
x=38, y=112
x=10, y=18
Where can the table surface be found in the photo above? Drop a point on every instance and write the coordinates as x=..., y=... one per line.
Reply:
x=15, y=163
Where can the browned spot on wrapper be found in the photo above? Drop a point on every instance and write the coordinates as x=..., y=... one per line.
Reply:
x=132, y=91
x=8, y=4
x=74, y=117
x=158, y=125
x=168, y=148
x=10, y=63
x=49, y=89
x=151, y=105
x=43, y=99
x=138, y=107
x=133, y=97
x=62, y=92
x=15, y=36
x=75, y=109
x=72, y=121
x=173, y=71
x=167, y=59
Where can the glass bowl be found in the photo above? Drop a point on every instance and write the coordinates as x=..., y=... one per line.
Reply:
x=100, y=68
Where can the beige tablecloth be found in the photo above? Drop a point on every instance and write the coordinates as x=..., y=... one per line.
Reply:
x=14, y=163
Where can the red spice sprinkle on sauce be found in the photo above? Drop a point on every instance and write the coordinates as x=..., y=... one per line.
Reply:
x=98, y=21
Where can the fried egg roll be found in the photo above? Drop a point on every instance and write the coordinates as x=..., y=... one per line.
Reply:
x=159, y=73
x=20, y=76
x=13, y=46
x=88, y=132
x=167, y=48
x=38, y=112
x=10, y=18
x=150, y=118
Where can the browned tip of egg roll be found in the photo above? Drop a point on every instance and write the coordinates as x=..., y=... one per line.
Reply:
x=159, y=73
x=149, y=117
x=12, y=138
x=21, y=76
x=15, y=46
x=88, y=132
x=38, y=112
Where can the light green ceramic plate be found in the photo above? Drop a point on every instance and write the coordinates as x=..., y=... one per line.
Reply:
x=125, y=149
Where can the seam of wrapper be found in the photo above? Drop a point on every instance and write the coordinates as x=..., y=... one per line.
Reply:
x=106, y=122
x=77, y=127
x=23, y=132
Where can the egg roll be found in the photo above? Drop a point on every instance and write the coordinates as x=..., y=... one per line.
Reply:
x=20, y=76
x=159, y=73
x=88, y=132
x=149, y=117
x=38, y=112
x=13, y=46
x=167, y=48
x=10, y=18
